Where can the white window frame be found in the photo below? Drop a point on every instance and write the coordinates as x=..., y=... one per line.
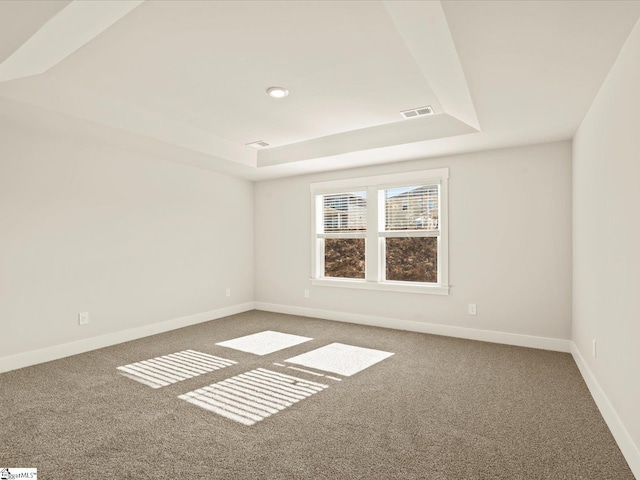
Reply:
x=375, y=234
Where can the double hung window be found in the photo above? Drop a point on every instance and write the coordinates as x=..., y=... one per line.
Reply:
x=386, y=232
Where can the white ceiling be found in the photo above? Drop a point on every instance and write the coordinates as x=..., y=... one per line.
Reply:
x=189, y=77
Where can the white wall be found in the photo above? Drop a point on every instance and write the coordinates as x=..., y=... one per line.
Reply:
x=510, y=245
x=131, y=239
x=606, y=215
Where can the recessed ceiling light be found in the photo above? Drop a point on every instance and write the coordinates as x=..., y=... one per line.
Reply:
x=277, y=92
x=417, y=112
x=258, y=144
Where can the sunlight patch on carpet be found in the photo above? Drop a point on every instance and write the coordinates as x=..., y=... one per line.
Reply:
x=340, y=358
x=263, y=343
x=168, y=369
x=253, y=396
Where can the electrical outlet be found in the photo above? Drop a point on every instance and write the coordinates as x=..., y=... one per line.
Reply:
x=471, y=309
x=595, y=351
x=306, y=293
x=83, y=318
x=228, y=292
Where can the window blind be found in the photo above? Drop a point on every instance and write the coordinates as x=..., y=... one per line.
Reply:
x=344, y=212
x=412, y=208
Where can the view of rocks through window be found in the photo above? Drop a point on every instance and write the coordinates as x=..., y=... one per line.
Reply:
x=409, y=210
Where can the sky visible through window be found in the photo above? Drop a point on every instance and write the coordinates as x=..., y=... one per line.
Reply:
x=389, y=192
x=392, y=192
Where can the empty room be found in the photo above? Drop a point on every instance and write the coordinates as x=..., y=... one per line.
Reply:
x=320, y=239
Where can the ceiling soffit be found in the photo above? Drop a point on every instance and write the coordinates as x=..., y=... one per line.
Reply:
x=48, y=74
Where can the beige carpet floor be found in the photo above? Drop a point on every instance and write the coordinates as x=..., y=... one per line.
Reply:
x=439, y=408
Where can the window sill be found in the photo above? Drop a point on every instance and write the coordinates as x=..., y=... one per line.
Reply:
x=405, y=287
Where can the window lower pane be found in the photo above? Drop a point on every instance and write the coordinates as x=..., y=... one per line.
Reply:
x=413, y=259
x=344, y=257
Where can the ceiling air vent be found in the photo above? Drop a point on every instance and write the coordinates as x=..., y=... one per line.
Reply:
x=417, y=112
x=258, y=144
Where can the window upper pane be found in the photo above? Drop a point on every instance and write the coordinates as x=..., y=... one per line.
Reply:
x=412, y=208
x=344, y=212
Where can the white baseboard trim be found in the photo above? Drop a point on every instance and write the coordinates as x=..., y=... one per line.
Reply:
x=544, y=343
x=628, y=448
x=55, y=352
